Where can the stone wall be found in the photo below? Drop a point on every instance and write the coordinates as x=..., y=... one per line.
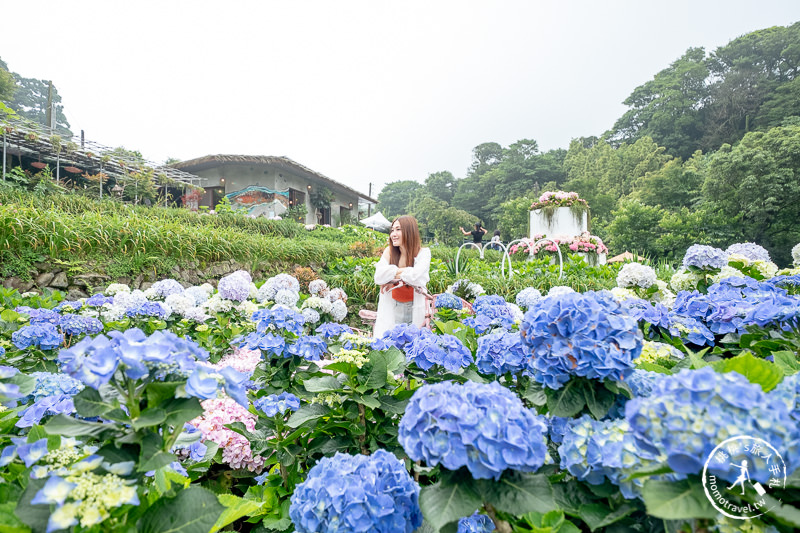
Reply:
x=92, y=278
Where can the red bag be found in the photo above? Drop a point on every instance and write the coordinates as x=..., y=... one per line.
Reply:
x=403, y=294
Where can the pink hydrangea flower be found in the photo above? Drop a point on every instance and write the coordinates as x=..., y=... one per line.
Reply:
x=235, y=447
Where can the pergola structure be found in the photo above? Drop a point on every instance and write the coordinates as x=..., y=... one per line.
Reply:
x=25, y=138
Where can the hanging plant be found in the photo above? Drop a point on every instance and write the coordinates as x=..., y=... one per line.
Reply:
x=55, y=140
x=33, y=137
x=70, y=147
x=321, y=197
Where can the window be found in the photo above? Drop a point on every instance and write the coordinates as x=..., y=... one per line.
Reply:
x=296, y=197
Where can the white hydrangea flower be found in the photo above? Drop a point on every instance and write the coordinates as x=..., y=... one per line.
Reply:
x=286, y=297
x=216, y=304
x=114, y=288
x=129, y=300
x=336, y=294
x=198, y=294
x=197, y=314
x=683, y=280
x=559, y=290
x=150, y=293
x=89, y=311
x=311, y=315
x=112, y=313
x=209, y=288
x=768, y=269
x=796, y=254
x=247, y=308
x=621, y=294
x=516, y=311
x=253, y=291
x=636, y=275
x=320, y=304
x=738, y=258
x=266, y=292
x=664, y=296
x=339, y=310
x=475, y=290
x=180, y=303
x=726, y=272
x=318, y=287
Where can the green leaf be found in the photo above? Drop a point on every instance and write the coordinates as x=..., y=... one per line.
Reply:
x=782, y=512
x=369, y=401
x=193, y=510
x=161, y=391
x=652, y=367
x=9, y=523
x=597, y=515
x=598, y=398
x=67, y=426
x=89, y=403
x=566, y=401
x=393, y=405
x=373, y=374
x=152, y=457
x=395, y=360
x=787, y=362
x=323, y=384
x=35, y=516
x=181, y=410
x=345, y=368
x=307, y=413
x=758, y=371
x=149, y=417
x=518, y=493
x=534, y=393
x=676, y=500
x=444, y=503
x=235, y=508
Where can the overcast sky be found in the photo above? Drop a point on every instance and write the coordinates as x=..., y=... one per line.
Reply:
x=360, y=91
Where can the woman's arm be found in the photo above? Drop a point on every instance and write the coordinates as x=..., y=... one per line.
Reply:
x=384, y=272
x=419, y=274
x=462, y=231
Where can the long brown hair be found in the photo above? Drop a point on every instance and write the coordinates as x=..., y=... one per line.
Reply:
x=411, y=240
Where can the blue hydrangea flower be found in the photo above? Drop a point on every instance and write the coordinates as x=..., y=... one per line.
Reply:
x=273, y=345
x=688, y=414
x=578, y=334
x=490, y=312
x=277, y=403
x=788, y=391
x=646, y=312
x=750, y=250
x=705, y=257
x=166, y=287
x=80, y=325
x=49, y=384
x=501, y=352
x=332, y=329
x=309, y=347
x=429, y=349
x=235, y=286
x=99, y=300
x=447, y=301
x=44, y=335
x=145, y=309
x=68, y=306
x=593, y=451
x=40, y=315
x=557, y=427
x=402, y=335
x=279, y=318
x=357, y=493
x=477, y=523
x=484, y=427
x=527, y=297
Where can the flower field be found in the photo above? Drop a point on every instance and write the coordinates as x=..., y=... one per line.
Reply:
x=254, y=406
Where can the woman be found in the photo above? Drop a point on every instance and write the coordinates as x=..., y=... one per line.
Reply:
x=403, y=266
x=477, y=233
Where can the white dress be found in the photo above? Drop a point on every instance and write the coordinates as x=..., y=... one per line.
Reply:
x=418, y=276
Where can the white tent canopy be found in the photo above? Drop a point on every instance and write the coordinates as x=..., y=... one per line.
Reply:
x=377, y=222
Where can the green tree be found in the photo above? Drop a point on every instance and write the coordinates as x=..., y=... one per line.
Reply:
x=756, y=186
x=439, y=221
x=30, y=101
x=674, y=185
x=441, y=185
x=666, y=108
x=514, y=218
x=395, y=197
x=7, y=83
x=634, y=228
